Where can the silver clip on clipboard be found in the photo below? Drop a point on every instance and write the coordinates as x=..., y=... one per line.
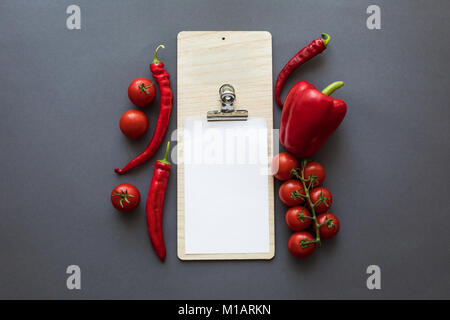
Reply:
x=227, y=112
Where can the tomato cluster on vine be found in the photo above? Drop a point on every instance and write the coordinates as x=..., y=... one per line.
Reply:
x=308, y=201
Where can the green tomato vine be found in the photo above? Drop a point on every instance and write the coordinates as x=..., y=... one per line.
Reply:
x=308, y=184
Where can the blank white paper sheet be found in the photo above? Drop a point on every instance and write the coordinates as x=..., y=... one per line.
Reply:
x=226, y=186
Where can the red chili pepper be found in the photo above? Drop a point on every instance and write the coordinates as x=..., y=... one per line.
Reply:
x=155, y=204
x=309, y=117
x=304, y=55
x=162, y=78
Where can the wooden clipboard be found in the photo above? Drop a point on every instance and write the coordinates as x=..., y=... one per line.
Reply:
x=206, y=60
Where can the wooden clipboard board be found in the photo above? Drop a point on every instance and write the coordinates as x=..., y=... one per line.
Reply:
x=206, y=60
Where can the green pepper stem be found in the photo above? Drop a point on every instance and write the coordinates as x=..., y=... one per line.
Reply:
x=155, y=58
x=165, y=156
x=325, y=38
x=332, y=87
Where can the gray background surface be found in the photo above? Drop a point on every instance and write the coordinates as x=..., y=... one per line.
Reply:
x=62, y=93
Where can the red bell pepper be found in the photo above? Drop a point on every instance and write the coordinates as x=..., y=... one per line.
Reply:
x=309, y=117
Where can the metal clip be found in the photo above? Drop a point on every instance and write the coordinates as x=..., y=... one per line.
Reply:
x=227, y=112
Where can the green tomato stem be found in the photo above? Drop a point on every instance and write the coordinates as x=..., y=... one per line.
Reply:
x=123, y=196
x=143, y=88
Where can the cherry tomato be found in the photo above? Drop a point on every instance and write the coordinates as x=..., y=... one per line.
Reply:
x=133, y=124
x=298, y=218
x=316, y=171
x=325, y=197
x=286, y=190
x=330, y=226
x=282, y=164
x=141, y=92
x=298, y=244
x=125, y=197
